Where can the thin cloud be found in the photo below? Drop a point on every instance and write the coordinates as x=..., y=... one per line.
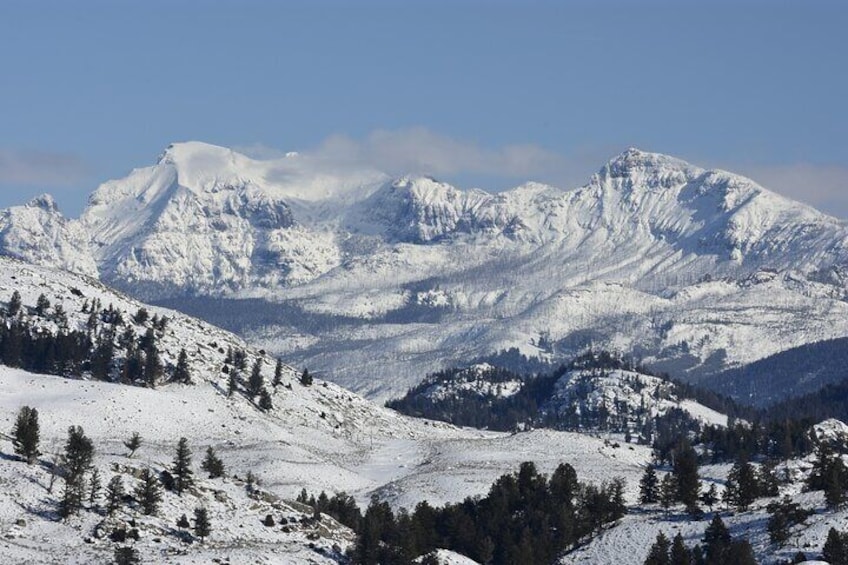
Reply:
x=419, y=150
x=824, y=187
x=40, y=168
x=422, y=151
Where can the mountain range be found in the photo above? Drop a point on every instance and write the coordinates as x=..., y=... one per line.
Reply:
x=375, y=281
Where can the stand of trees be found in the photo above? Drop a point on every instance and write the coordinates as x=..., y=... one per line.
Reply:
x=525, y=518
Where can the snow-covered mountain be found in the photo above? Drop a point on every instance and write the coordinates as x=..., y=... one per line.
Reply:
x=38, y=232
x=380, y=281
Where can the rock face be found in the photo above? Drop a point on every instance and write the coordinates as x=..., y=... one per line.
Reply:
x=693, y=270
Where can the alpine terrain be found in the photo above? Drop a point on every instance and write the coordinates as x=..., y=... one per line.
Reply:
x=374, y=282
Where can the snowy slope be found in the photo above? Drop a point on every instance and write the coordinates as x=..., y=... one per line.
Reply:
x=623, y=394
x=320, y=437
x=386, y=280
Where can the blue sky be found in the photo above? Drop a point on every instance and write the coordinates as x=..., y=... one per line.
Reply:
x=480, y=93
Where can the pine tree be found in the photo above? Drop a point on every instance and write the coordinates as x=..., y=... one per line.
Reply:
x=14, y=304
x=127, y=555
x=114, y=494
x=835, y=482
x=152, y=366
x=685, y=471
x=265, y=402
x=25, y=434
x=182, y=467
x=103, y=355
x=141, y=316
x=680, y=554
x=94, y=486
x=305, y=378
x=149, y=492
x=133, y=443
x=709, y=497
x=232, y=382
x=79, y=453
x=716, y=542
x=278, y=373
x=183, y=523
x=835, y=550
x=202, y=527
x=741, y=488
x=766, y=480
x=668, y=491
x=42, y=305
x=255, y=382
x=181, y=371
x=212, y=464
x=658, y=555
x=649, y=486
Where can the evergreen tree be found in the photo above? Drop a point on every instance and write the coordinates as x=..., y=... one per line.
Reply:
x=42, y=305
x=14, y=307
x=114, y=494
x=741, y=488
x=278, y=373
x=127, y=555
x=232, y=382
x=649, y=486
x=658, y=555
x=212, y=464
x=25, y=434
x=181, y=371
x=254, y=383
x=709, y=497
x=202, y=527
x=265, y=402
x=141, y=316
x=305, y=378
x=94, y=486
x=835, y=550
x=685, y=470
x=103, y=355
x=766, y=480
x=79, y=453
x=668, y=491
x=182, y=467
x=680, y=554
x=783, y=515
x=133, y=443
x=835, y=483
x=824, y=460
x=183, y=522
x=740, y=552
x=149, y=492
x=152, y=366
x=716, y=542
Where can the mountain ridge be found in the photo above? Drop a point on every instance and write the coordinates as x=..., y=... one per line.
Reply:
x=693, y=270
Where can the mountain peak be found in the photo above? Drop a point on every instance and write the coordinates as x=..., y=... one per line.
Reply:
x=634, y=160
x=45, y=202
x=184, y=151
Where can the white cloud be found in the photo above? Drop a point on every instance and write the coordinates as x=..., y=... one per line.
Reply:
x=421, y=151
x=824, y=187
x=29, y=168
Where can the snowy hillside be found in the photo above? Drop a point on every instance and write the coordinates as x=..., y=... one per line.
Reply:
x=318, y=437
x=380, y=281
x=595, y=393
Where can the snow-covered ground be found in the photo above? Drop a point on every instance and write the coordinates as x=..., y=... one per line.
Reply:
x=318, y=437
